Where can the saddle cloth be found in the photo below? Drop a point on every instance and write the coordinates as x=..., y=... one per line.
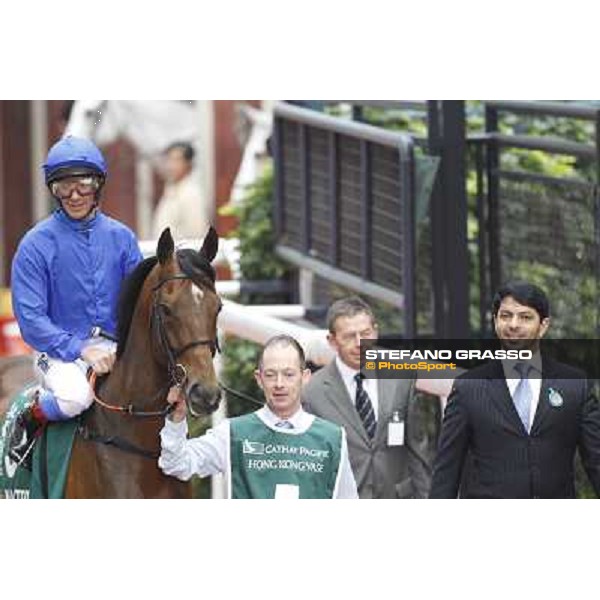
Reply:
x=50, y=460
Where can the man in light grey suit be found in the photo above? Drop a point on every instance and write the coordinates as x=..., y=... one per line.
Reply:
x=386, y=454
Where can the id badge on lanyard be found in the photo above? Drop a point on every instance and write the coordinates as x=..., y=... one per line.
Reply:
x=396, y=430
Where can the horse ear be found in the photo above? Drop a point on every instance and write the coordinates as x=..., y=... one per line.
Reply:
x=210, y=244
x=165, y=247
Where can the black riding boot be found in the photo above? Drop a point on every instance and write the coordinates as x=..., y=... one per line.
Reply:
x=28, y=427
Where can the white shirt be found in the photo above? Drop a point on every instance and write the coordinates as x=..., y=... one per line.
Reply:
x=209, y=453
x=535, y=381
x=370, y=385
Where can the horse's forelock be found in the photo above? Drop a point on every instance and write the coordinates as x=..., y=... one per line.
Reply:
x=196, y=266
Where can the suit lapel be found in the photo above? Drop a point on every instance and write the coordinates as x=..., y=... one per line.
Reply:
x=549, y=381
x=542, y=406
x=340, y=401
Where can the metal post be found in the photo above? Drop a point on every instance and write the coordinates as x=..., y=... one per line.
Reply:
x=277, y=149
x=491, y=126
x=449, y=220
x=456, y=256
x=438, y=278
x=481, y=239
x=366, y=237
x=333, y=198
x=39, y=147
x=305, y=176
x=597, y=214
x=407, y=194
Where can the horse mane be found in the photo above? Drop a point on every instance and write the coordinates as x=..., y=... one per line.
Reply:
x=192, y=263
x=130, y=291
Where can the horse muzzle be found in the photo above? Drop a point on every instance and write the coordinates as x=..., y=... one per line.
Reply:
x=203, y=400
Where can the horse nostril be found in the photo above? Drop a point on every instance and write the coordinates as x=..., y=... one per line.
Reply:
x=217, y=398
x=204, y=399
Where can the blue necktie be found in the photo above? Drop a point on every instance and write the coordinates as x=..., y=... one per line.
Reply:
x=364, y=407
x=284, y=425
x=523, y=395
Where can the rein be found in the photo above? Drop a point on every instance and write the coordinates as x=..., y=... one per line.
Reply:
x=177, y=376
x=240, y=394
x=130, y=409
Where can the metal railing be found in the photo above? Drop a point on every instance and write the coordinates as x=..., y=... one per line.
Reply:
x=345, y=204
x=536, y=223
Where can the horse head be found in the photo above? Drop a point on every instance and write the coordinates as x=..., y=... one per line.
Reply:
x=185, y=306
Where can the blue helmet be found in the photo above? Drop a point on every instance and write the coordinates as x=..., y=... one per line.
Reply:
x=72, y=156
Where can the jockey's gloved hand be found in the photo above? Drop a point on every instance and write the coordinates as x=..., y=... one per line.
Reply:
x=100, y=359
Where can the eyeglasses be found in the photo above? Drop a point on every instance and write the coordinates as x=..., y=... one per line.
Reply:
x=84, y=185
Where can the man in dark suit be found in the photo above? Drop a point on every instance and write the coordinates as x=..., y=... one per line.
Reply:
x=521, y=423
x=386, y=446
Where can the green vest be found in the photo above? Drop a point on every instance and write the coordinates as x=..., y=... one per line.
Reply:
x=263, y=459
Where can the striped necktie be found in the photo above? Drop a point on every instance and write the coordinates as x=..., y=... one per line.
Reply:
x=523, y=395
x=364, y=407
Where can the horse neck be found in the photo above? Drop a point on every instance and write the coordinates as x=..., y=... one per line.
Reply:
x=137, y=377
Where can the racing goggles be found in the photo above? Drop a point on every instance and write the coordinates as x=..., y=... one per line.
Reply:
x=85, y=186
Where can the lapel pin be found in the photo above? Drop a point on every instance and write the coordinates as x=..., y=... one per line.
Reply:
x=554, y=398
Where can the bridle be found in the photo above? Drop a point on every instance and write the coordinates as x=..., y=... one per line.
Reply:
x=176, y=370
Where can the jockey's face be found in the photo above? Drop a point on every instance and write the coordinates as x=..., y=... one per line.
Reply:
x=76, y=195
x=176, y=165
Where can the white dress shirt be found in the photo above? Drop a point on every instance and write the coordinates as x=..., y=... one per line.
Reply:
x=370, y=385
x=209, y=453
x=535, y=381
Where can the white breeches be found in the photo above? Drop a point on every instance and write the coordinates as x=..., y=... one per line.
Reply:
x=67, y=380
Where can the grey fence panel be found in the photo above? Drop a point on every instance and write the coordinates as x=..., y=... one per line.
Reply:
x=346, y=204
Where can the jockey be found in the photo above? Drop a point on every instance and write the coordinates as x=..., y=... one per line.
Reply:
x=66, y=277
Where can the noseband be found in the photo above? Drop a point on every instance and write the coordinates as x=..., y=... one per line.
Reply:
x=177, y=372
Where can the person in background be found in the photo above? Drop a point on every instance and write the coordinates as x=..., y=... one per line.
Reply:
x=379, y=416
x=182, y=207
x=518, y=424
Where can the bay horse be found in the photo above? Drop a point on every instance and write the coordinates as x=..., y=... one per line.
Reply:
x=167, y=335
